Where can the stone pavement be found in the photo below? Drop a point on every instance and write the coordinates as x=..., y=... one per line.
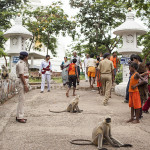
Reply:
x=49, y=131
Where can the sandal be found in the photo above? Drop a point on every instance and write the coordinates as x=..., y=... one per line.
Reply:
x=21, y=120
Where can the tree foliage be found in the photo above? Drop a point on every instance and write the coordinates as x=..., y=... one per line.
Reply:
x=46, y=23
x=8, y=9
x=97, y=19
x=143, y=11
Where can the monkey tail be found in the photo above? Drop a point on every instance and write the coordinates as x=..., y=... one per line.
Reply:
x=81, y=142
x=126, y=145
x=57, y=111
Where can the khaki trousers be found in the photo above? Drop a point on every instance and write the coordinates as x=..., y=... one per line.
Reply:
x=106, y=80
x=21, y=99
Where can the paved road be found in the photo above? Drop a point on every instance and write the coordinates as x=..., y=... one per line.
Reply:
x=48, y=131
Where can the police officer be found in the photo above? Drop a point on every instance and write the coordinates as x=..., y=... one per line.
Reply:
x=23, y=86
x=106, y=69
x=45, y=69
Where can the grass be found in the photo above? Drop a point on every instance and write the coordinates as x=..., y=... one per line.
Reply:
x=34, y=80
x=56, y=79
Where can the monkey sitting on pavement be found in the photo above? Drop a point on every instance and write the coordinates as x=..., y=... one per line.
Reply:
x=72, y=107
x=102, y=133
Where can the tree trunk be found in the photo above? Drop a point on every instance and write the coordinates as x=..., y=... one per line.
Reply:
x=31, y=44
x=5, y=60
x=48, y=42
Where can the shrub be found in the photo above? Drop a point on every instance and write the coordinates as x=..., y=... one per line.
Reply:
x=118, y=78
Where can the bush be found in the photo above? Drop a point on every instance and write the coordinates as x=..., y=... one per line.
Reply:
x=118, y=78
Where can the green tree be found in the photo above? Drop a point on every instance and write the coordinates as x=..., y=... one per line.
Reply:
x=96, y=19
x=8, y=9
x=46, y=23
x=143, y=11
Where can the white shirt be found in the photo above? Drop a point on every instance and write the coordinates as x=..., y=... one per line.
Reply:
x=91, y=62
x=44, y=64
x=85, y=62
x=77, y=58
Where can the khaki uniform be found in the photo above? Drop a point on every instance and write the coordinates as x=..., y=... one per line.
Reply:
x=21, y=68
x=106, y=67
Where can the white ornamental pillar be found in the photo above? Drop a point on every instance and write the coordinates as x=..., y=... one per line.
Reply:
x=18, y=35
x=129, y=31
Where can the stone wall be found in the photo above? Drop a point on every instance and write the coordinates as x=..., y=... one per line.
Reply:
x=7, y=89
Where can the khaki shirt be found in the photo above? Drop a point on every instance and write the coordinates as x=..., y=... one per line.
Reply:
x=91, y=62
x=106, y=66
x=22, y=68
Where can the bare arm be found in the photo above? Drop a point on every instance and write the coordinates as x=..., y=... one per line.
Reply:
x=137, y=76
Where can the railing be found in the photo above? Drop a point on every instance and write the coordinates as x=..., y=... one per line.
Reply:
x=7, y=89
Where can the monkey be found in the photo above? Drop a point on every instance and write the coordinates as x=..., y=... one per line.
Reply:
x=101, y=134
x=4, y=72
x=72, y=107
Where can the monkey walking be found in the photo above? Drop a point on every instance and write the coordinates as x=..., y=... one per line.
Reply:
x=101, y=134
x=72, y=107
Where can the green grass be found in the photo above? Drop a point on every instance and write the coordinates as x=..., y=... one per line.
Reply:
x=57, y=79
x=34, y=80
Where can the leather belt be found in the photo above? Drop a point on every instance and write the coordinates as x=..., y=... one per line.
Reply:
x=26, y=77
x=105, y=73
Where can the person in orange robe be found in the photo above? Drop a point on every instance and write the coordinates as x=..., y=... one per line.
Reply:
x=115, y=61
x=134, y=95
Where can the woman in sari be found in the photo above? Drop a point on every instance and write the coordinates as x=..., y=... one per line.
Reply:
x=64, y=67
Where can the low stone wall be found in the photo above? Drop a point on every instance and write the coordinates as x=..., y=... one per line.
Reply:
x=7, y=89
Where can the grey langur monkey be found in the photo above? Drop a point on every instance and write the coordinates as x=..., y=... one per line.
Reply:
x=72, y=106
x=101, y=134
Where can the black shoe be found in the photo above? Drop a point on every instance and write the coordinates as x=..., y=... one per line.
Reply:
x=125, y=101
x=41, y=92
x=141, y=117
x=48, y=91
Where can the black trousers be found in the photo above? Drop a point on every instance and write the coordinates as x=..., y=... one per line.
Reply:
x=72, y=80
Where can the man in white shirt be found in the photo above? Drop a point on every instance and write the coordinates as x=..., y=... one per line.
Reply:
x=45, y=70
x=91, y=69
x=85, y=66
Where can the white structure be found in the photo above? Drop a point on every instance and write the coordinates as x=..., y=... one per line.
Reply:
x=129, y=31
x=18, y=35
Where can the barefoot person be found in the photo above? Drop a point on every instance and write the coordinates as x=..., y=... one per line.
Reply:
x=73, y=76
x=78, y=64
x=134, y=95
x=91, y=69
x=23, y=78
x=45, y=70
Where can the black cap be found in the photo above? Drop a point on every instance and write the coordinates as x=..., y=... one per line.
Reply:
x=24, y=53
x=106, y=55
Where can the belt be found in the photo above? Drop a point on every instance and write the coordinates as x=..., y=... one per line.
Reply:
x=105, y=73
x=46, y=69
x=26, y=77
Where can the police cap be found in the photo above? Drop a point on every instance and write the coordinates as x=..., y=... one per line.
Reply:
x=106, y=55
x=24, y=53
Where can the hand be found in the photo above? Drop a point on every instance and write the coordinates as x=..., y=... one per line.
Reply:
x=51, y=71
x=39, y=74
x=26, y=88
x=133, y=87
x=113, y=79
